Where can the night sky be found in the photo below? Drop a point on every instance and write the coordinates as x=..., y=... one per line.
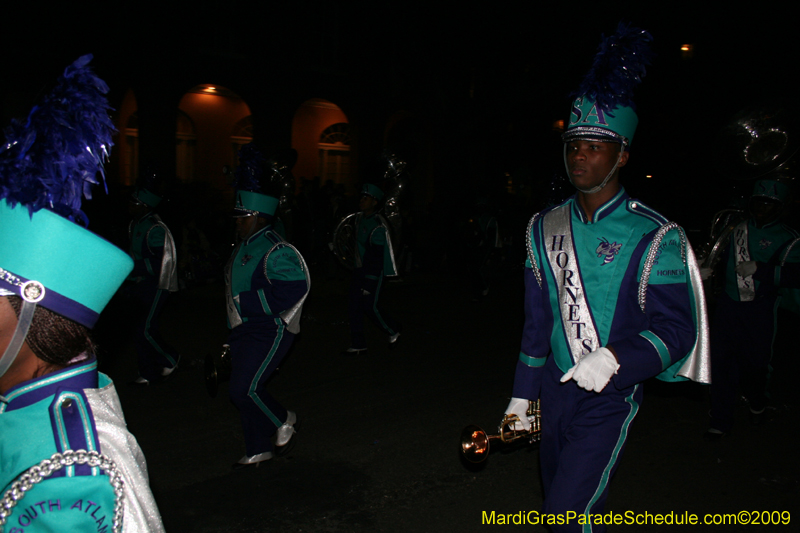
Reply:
x=505, y=73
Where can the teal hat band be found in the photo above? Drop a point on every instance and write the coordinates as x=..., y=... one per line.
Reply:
x=147, y=197
x=252, y=203
x=57, y=263
x=372, y=190
x=774, y=190
x=589, y=121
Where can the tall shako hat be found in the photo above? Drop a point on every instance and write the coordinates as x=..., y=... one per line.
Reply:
x=373, y=191
x=145, y=189
x=249, y=180
x=771, y=189
x=603, y=109
x=48, y=164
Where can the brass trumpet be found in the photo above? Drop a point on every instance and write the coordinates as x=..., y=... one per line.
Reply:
x=475, y=442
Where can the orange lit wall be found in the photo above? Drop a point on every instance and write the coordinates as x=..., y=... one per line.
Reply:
x=214, y=118
x=309, y=122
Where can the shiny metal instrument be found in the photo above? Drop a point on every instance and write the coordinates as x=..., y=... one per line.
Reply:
x=476, y=443
x=217, y=369
x=758, y=140
x=722, y=225
x=344, y=240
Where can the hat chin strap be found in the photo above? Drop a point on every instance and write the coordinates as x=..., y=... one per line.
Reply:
x=596, y=188
x=20, y=332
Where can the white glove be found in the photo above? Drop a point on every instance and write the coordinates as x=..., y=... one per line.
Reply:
x=594, y=370
x=705, y=273
x=519, y=407
x=746, y=269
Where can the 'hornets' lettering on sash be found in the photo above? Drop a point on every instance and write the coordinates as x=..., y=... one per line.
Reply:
x=576, y=317
x=747, y=288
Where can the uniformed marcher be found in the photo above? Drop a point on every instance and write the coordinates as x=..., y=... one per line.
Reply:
x=373, y=260
x=267, y=282
x=762, y=257
x=67, y=461
x=612, y=297
x=154, y=276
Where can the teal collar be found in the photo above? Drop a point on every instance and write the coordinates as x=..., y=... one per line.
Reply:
x=602, y=211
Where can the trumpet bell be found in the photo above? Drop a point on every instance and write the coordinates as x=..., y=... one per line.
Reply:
x=474, y=444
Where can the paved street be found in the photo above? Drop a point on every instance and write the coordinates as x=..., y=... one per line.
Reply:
x=378, y=441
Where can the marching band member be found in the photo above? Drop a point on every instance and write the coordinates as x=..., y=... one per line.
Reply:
x=609, y=299
x=154, y=276
x=266, y=283
x=762, y=258
x=374, y=259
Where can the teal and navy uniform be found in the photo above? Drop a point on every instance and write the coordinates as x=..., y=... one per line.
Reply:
x=744, y=325
x=152, y=249
x=76, y=408
x=374, y=259
x=590, y=273
x=265, y=277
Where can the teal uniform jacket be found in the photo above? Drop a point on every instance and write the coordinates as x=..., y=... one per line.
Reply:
x=73, y=409
x=374, y=252
x=770, y=247
x=152, y=248
x=265, y=278
x=603, y=273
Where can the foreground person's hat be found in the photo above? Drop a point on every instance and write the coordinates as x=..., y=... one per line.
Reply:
x=48, y=164
x=603, y=108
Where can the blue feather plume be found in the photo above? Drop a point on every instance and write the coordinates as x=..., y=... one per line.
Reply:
x=52, y=159
x=618, y=67
x=250, y=172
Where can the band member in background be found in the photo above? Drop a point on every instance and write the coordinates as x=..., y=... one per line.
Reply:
x=602, y=313
x=154, y=276
x=374, y=260
x=762, y=258
x=266, y=283
x=67, y=461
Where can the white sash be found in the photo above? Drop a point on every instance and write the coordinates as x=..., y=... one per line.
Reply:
x=747, y=288
x=230, y=307
x=576, y=317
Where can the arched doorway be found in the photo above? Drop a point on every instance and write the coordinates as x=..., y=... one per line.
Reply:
x=321, y=136
x=220, y=122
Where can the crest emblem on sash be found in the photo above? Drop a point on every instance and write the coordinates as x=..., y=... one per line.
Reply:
x=608, y=250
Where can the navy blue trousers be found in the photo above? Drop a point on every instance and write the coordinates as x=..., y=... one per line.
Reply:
x=153, y=352
x=360, y=304
x=257, y=350
x=583, y=437
x=742, y=334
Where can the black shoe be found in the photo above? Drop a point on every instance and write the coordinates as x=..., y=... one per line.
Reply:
x=714, y=435
x=283, y=451
x=354, y=351
x=139, y=383
x=252, y=461
x=760, y=418
x=393, y=340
